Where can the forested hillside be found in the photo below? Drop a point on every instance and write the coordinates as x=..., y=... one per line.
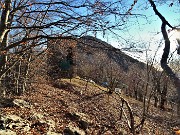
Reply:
x=58, y=76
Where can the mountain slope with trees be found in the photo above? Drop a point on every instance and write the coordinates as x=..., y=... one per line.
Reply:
x=92, y=58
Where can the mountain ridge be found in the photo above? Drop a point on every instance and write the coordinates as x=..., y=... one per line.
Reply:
x=113, y=53
x=92, y=58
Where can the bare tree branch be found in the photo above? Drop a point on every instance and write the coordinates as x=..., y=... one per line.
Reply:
x=165, y=55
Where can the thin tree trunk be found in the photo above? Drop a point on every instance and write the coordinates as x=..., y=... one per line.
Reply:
x=26, y=73
x=3, y=62
x=155, y=101
x=18, y=81
x=163, y=96
x=3, y=57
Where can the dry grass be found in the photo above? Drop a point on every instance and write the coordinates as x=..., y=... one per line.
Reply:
x=79, y=82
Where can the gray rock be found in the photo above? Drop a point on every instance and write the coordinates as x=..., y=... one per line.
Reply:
x=53, y=133
x=12, y=118
x=7, y=132
x=37, y=116
x=51, y=124
x=71, y=130
x=21, y=103
x=15, y=122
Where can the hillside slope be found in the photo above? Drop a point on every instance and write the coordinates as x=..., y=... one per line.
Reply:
x=75, y=107
x=92, y=58
x=91, y=44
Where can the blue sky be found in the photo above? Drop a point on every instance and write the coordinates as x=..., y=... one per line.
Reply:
x=146, y=32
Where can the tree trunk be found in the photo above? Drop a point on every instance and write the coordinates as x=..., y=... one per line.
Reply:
x=155, y=101
x=3, y=61
x=4, y=31
x=3, y=40
x=3, y=57
x=141, y=96
x=163, y=96
x=165, y=55
x=27, y=67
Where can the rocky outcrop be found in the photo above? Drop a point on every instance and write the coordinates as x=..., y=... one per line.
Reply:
x=7, y=102
x=36, y=123
x=14, y=122
x=82, y=121
x=11, y=123
x=7, y=132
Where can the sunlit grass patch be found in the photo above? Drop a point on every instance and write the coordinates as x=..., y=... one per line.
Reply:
x=79, y=82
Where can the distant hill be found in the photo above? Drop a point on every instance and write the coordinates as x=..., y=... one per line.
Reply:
x=92, y=58
x=119, y=57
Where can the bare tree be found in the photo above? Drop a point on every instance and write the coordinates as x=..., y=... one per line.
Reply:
x=25, y=24
x=164, y=59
